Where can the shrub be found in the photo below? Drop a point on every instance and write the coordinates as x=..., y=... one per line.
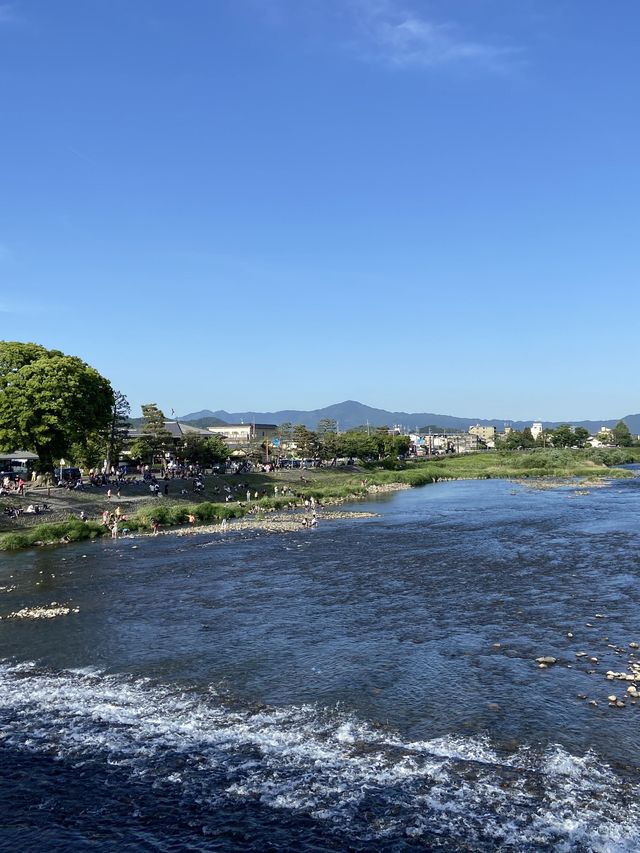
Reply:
x=48, y=534
x=14, y=541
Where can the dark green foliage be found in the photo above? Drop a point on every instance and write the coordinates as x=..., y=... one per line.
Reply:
x=306, y=441
x=204, y=450
x=612, y=455
x=563, y=436
x=49, y=401
x=621, y=435
x=285, y=431
x=155, y=438
x=118, y=434
x=326, y=425
x=72, y=530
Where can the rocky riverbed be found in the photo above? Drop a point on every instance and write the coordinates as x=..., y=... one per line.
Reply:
x=281, y=522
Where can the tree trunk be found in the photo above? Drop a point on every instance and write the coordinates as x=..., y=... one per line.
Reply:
x=44, y=465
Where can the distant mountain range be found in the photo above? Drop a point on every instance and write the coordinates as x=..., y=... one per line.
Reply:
x=352, y=414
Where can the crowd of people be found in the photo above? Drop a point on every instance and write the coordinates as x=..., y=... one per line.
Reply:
x=190, y=479
x=12, y=485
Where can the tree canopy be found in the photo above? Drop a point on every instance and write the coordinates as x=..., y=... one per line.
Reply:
x=204, y=450
x=622, y=435
x=154, y=439
x=563, y=436
x=517, y=440
x=49, y=401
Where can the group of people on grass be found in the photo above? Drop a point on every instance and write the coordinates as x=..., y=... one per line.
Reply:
x=10, y=486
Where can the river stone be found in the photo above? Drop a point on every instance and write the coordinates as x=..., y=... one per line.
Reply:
x=547, y=660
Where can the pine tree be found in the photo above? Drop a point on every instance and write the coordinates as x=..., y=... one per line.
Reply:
x=118, y=428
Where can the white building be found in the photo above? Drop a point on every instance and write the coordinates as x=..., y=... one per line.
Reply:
x=536, y=429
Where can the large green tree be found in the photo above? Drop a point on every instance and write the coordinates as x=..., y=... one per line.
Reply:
x=563, y=436
x=204, y=450
x=516, y=440
x=306, y=441
x=103, y=448
x=326, y=426
x=49, y=401
x=331, y=446
x=154, y=439
x=119, y=426
x=622, y=435
x=285, y=431
x=396, y=445
x=359, y=444
x=581, y=436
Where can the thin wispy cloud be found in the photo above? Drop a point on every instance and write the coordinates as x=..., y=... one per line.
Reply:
x=393, y=32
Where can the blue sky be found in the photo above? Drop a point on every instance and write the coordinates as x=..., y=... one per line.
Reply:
x=265, y=204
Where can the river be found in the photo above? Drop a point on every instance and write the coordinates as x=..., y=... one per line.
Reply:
x=367, y=685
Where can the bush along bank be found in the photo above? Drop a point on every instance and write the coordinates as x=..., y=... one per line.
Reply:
x=53, y=533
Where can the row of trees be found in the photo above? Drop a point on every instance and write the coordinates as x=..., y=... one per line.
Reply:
x=59, y=406
x=156, y=440
x=564, y=436
x=327, y=444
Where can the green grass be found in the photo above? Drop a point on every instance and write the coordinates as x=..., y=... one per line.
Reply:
x=514, y=464
x=551, y=463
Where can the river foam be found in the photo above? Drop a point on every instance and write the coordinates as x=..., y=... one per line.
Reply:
x=353, y=778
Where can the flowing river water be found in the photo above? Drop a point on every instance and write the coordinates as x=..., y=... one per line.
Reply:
x=367, y=685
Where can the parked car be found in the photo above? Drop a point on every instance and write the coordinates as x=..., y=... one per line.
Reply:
x=67, y=474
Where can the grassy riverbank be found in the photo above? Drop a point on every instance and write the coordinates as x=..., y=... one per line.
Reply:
x=326, y=485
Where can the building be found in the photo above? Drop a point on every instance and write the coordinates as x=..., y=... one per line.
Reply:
x=484, y=433
x=178, y=432
x=438, y=444
x=603, y=438
x=536, y=430
x=242, y=435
